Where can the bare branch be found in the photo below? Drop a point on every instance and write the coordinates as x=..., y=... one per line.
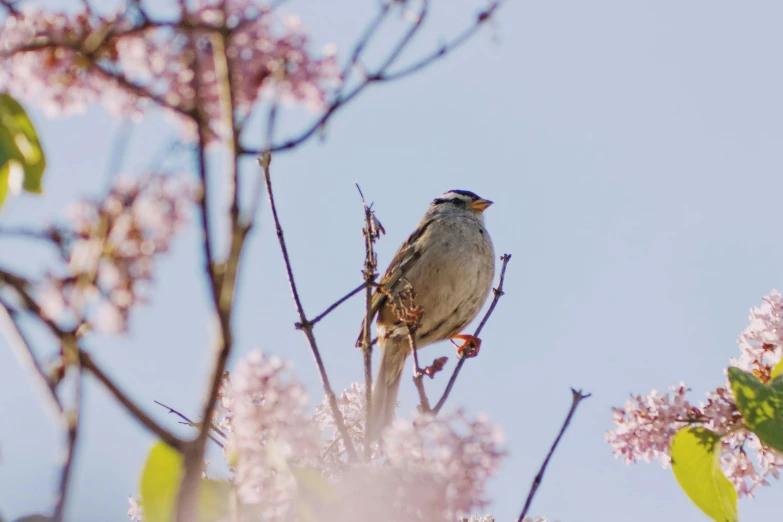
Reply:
x=187, y=422
x=337, y=303
x=166, y=436
x=372, y=231
x=70, y=350
x=382, y=75
x=418, y=373
x=505, y=258
x=365, y=39
x=223, y=281
x=578, y=397
x=447, y=48
x=304, y=324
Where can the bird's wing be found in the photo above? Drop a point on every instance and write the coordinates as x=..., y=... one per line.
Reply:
x=403, y=260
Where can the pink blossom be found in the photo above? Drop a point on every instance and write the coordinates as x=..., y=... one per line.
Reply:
x=645, y=427
x=65, y=62
x=111, y=250
x=272, y=435
x=431, y=468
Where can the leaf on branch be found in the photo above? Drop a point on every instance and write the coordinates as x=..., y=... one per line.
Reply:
x=777, y=370
x=20, y=150
x=695, y=454
x=159, y=488
x=761, y=405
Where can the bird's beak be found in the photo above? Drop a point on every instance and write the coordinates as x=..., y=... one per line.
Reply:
x=480, y=204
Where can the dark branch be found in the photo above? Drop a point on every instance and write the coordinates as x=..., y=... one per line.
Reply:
x=188, y=422
x=372, y=231
x=304, y=324
x=578, y=397
x=169, y=438
x=418, y=373
x=337, y=303
x=382, y=75
x=505, y=258
x=72, y=417
x=447, y=48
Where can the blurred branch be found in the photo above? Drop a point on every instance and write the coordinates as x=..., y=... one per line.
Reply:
x=72, y=417
x=20, y=286
x=382, y=75
x=222, y=277
x=304, y=325
x=135, y=411
x=578, y=397
x=505, y=258
x=10, y=6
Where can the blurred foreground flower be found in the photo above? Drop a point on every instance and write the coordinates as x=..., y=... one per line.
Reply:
x=288, y=463
x=127, y=61
x=110, y=251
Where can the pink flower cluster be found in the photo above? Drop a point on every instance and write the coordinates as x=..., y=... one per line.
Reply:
x=285, y=460
x=111, y=250
x=645, y=426
x=272, y=435
x=64, y=62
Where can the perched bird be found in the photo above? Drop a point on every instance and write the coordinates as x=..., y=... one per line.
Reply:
x=449, y=264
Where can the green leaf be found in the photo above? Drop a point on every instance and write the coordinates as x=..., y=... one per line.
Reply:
x=213, y=500
x=314, y=490
x=5, y=170
x=761, y=405
x=160, y=483
x=777, y=370
x=19, y=142
x=159, y=488
x=695, y=456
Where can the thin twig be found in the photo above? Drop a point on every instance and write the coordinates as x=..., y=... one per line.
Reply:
x=382, y=76
x=337, y=303
x=304, y=324
x=578, y=397
x=447, y=48
x=166, y=436
x=505, y=258
x=418, y=373
x=370, y=275
x=188, y=422
x=365, y=39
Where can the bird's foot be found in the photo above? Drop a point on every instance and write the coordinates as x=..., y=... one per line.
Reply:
x=471, y=346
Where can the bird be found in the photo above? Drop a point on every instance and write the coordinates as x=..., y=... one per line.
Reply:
x=447, y=265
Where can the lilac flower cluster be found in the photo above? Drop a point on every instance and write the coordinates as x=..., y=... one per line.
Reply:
x=111, y=250
x=287, y=461
x=64, y=62
x=645, y=426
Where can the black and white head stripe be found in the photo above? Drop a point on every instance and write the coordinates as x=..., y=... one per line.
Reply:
x=458, y=197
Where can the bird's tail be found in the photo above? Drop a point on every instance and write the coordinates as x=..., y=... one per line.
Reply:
x=387, y=386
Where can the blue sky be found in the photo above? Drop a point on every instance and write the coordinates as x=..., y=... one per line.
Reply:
x=633, y=153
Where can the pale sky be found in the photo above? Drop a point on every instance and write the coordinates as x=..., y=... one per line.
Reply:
x=633, y=153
